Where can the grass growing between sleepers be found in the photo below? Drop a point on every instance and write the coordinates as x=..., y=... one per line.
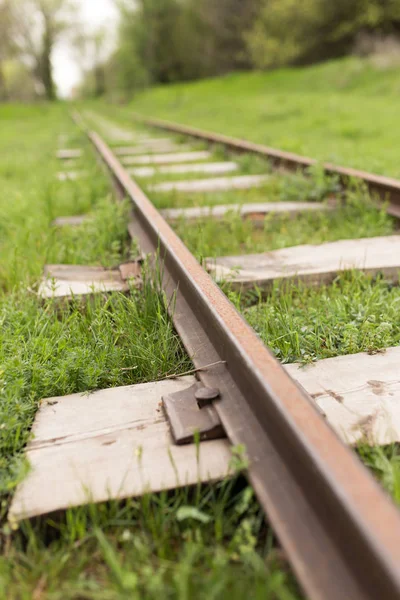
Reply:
x=210, y=541
x=277, y=187
x=199, y=543
x=343, y=111
x=356, y=313
x=31, y=197
x=357, y=217
x=47, y=350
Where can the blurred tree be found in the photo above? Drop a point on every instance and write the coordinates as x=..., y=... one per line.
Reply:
x=226, y=22
x=289, y=32
x=6, y=43
x=20, y=84
x=161, y=41
x=92, y=51
x=38, y=27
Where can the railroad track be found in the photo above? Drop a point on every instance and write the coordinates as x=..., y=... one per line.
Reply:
x=386, y=188
x=338, y=528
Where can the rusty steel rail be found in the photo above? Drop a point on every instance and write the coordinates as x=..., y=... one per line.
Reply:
x=386, y=188
x=339, y=529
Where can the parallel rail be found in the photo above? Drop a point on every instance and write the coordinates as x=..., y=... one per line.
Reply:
x=386, y=188
x=339, y=529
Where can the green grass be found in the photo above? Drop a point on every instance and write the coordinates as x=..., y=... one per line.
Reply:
x=193, y=543
x=344, y=111
x=31, y=197
x=354, y=314
x=357, y=218
x=201, y=542
x=47, y=350
x=247, y=165
x=210, y=541
x=105, y=238
x=285, y=187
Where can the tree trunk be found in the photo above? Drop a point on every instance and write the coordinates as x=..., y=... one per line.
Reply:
x=3, y=85
x=99, y=78
x=46, y=68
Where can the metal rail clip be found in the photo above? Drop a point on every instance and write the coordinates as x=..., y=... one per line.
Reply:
x=190, y=413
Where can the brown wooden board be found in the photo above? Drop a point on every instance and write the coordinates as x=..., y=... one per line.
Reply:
x=65, y=281
x=73, y=221
x=69, y=175
x=66, y=154
x=178, y=157
x=218, y=167
x=110, y=444
x=247, y=211
x=159, y=148
x=313, y=264
x=212, y=184
x=145, y=142
x=358, y=394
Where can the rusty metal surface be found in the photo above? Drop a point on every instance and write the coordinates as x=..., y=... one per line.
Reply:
x=187, y=419
x=130, y=270
x=339, y=529
x=387, y=188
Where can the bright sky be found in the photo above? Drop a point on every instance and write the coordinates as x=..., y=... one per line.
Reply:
x=94, y=14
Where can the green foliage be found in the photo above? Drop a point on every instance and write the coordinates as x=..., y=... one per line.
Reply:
x=35, y=27
x=344, y=111
x=385, y=464
x=143, y=548
x=47, y=349
x=354, y=314
x=164, y=41
x=161, y=41
x=50, y=351
x=358, y=217
x=196, y=542
x=286, y=31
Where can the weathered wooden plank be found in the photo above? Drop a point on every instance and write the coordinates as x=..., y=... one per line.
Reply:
x=155, y=146
x=144, y=140
x=70, y=175
x=313, y=264
x=213, y=184
x=73, y=221
x=66, y=154
x=178, y=157
x=129, y=159
x=358, y=394
x=110, y=129
x=72, y=164
x=219, y=167
x=248, y=211
x=63, y=138
x=136, y=138
x=65, y=281
x=110, y=444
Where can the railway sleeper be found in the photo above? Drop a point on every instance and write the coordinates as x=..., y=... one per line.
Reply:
x=309, y=263
x=145, y=142
x=253, y=211
x=68, y=154
x=111, y=444
x=158, y=148
x=212, y=184
x=71, y=221
x=68, y=281
x=132, y=440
